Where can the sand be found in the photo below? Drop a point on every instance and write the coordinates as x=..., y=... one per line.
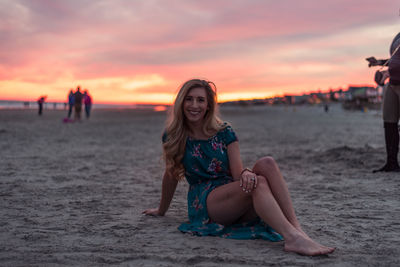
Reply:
x=72, y=194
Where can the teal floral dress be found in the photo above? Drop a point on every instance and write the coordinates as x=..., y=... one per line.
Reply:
x=206, y=166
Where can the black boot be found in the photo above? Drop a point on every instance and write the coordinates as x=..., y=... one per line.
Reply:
x=392, y=148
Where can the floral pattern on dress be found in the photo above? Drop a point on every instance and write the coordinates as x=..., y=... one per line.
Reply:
x=217, y=145
x=196, y=204
x=215, y=166
x=196, y=151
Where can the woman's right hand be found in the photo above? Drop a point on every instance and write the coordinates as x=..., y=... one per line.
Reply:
x=153, y=212
x=248, y=181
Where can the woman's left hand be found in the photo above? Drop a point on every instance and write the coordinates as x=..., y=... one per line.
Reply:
x=153, y=212
x=248, y=181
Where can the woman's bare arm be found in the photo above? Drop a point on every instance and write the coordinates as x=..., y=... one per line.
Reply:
x=235, y=161
x=169, y=184
x=247, y=178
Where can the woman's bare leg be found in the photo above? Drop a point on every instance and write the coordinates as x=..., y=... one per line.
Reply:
x=227, y=203
x=268, y=168
x=249, y=216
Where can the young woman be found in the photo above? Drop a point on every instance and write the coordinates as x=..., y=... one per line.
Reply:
x=225, y=199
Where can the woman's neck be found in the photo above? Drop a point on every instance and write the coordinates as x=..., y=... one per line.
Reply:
x=196, y=131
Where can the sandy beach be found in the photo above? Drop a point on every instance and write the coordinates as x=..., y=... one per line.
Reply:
x=72, y=194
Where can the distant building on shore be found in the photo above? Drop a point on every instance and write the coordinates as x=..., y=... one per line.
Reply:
x=355, y=97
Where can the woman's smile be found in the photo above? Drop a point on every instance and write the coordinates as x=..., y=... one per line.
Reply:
x=195, y=104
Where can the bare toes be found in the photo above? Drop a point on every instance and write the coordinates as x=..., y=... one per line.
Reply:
x=305, y=246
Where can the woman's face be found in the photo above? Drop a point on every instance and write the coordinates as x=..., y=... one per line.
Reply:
x=195, y=105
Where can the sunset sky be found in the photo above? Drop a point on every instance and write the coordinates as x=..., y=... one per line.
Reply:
x=141, y=51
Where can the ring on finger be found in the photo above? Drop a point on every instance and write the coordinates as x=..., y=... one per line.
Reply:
x=253, y=178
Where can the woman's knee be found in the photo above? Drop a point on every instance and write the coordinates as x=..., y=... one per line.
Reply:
x=265, y=163
x=262, y=185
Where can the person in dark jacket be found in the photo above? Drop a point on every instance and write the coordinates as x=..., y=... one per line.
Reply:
x=71, y=103
x=78, y=97
x=87, y=99
x=391, y=104
x=40, y=102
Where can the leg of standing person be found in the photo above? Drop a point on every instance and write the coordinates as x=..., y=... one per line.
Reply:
x=87, y=111
x=69, y=111
x=391, y=112
x=227, y=203
x=78, y=112
x=75, y=113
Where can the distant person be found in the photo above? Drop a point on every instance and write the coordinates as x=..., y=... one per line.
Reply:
x=78, y=97
x=326, y=107
x=71, y=103
x=391, y=104
x=40, y=102
x=87, y=99
x=222, y=194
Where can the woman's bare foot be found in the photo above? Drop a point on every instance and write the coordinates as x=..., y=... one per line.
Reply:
x=306, y=246
x=298, y=228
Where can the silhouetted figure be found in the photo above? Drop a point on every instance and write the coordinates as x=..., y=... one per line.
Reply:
x=40, y=102
x=391, y=103
x=71, y=103
x=87, y=99
x=78, y=97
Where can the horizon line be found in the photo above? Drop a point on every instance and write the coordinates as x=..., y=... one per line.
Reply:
x=171, y=103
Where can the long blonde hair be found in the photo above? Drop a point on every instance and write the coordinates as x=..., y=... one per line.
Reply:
x=177, y=128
